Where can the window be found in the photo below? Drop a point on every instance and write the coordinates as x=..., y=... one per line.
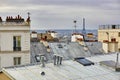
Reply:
x=17, y=43
x=17, y=60
x=119, y=34
x=113, y=26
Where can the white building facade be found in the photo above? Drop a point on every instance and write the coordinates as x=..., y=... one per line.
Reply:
x=14, y=41
x=110, y=36
x=34, y=34
x=52, y=33
x=76, y=36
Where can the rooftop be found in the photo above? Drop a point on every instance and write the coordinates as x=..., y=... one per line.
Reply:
x=18, y=20
x=67, y=50
x=69, y=70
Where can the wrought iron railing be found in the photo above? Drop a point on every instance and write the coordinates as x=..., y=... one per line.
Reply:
x=16, y=48
x=109, y=27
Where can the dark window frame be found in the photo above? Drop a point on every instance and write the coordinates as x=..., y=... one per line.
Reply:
x=16, y=43
x=17, y=60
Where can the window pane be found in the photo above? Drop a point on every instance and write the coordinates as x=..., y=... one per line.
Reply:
x=17, y=43
x=14, y=41
x=17, y=60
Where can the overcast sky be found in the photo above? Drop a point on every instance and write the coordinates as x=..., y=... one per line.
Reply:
x=60, y=14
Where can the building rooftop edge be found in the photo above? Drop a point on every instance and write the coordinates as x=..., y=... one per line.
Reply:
x=114, y=26
x=18, y=20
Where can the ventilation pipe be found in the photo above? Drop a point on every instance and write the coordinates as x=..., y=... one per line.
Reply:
x=60, y=60
x=43, y=61
x=55, y=57
x=57, y=60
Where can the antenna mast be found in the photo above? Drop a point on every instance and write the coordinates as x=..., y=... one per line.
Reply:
x=75, y=25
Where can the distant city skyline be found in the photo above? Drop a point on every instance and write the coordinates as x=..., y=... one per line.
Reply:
x=60, y=14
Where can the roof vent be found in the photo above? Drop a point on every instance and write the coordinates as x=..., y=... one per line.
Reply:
x=43, y=73
x=43, y=61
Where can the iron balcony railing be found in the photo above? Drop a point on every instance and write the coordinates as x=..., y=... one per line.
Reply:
x=109, y=27
x=16, y=48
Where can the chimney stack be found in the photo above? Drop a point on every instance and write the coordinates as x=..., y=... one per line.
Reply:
x=60, y=60
x=55, y=57
x=57, y=60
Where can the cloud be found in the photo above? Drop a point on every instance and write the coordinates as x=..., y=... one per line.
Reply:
x=61, y=13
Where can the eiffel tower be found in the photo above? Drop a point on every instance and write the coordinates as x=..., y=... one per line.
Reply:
x=83, y=30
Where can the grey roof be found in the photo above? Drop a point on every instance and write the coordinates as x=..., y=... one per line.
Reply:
x=68, y=51
x=95, y=47
x=39, y=48
x=69, y=70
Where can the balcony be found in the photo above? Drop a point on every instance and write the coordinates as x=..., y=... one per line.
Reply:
x=101, y=27
x=16, y=48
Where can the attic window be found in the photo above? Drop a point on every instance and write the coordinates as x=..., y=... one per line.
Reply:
x=84, y=61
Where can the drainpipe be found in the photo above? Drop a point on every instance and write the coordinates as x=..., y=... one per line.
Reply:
x=117, y=62
x=108, y=40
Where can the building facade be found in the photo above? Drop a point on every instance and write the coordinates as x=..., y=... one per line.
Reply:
x=110, y=36
x=14, y=41
x=76, y=37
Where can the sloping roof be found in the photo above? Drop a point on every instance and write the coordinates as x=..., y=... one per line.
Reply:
x=95, y=47
x=4, y=77
x=67, y=51
x=69, y=70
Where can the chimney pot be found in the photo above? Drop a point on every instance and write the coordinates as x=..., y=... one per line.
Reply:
x=55, y=57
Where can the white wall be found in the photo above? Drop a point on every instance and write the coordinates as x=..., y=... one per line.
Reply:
x=105, y=47
x=33, y=35
x=14, y=28
x=7, y=58
x=74, y=37
x=7, y=40
x=6, y=44
x=113, y=47
x=54, y=35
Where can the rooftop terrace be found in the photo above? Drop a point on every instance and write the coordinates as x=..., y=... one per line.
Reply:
x=109, y=27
